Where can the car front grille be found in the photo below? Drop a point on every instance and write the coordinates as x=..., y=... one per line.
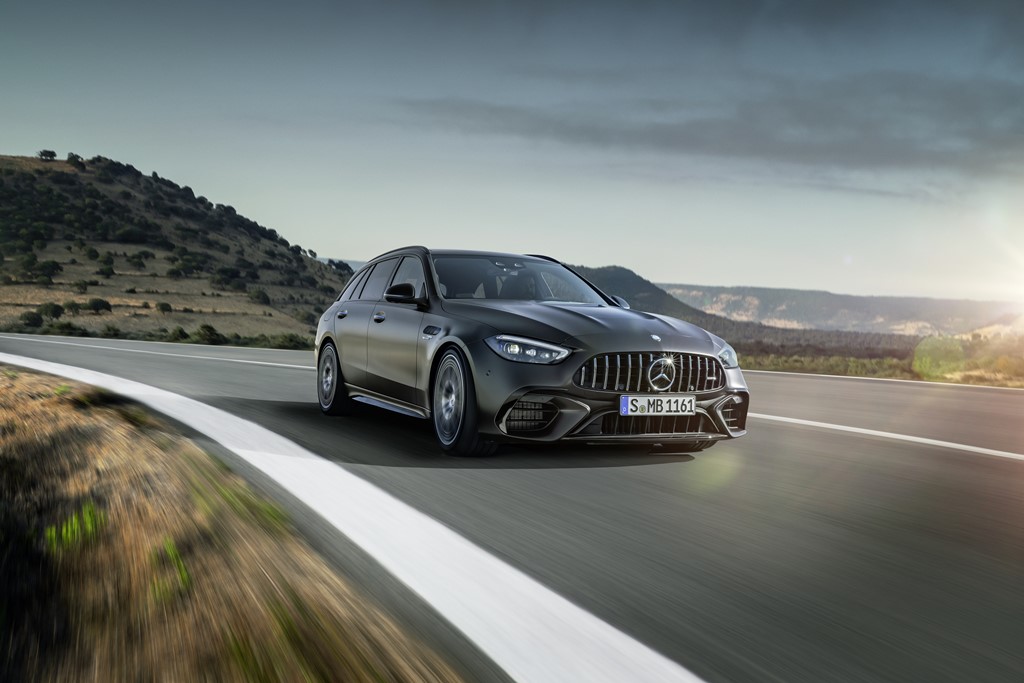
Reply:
x=629, y=372
x=529, y=416
x=614, y=424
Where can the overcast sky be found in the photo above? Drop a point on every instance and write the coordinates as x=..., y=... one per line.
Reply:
x=861, y=147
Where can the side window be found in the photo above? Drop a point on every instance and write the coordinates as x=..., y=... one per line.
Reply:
x=353, y=285
x=410, y=270
x=378, y=279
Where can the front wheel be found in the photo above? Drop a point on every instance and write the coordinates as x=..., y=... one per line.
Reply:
x=454, y=408
x=330, y=389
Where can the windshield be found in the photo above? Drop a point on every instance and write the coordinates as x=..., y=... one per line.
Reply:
x=512, y=278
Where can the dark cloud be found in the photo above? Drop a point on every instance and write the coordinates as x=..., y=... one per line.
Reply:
x=868, y=122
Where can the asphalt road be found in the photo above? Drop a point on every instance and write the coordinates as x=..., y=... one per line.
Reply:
x=794, y=554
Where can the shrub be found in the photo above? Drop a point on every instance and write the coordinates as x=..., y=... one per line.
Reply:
x=260, y=297
x=72, y=307
x=92, y=253
x=106, y=271
x=81, y=286
x=208, y=334
x=291, y=341
x=50, y=310
x=164, y=307
x=31, y=319
x=177, y=334
x=97, y=306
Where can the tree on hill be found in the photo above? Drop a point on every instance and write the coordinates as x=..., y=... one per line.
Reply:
x=97, y=306
x=47, y=154
x=31, y=319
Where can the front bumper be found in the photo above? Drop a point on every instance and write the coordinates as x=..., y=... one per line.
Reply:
x=541, y=403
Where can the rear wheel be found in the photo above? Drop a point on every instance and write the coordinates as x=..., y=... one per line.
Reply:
x=330, y=389
x=454, y=408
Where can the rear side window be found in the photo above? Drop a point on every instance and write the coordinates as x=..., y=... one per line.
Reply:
x=353, y=285
x=378, y=279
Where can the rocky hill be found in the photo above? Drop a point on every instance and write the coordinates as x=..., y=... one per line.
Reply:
x=806, y=309
x=750, y=337
x=97, y=247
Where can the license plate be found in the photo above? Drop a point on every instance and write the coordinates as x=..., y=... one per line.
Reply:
x=663, y=404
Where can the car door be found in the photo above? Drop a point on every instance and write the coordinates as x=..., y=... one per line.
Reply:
x=352, y=321
x=393, y=336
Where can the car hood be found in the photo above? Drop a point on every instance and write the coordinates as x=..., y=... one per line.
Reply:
x=600, y=328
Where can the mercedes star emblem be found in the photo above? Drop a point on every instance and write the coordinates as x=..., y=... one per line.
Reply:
x=661, y=374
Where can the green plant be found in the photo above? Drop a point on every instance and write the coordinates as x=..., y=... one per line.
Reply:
x=81, y=527
x=168, y=554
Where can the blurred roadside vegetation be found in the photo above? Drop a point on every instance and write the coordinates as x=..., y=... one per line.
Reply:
x=992, y=361
x=130, y=554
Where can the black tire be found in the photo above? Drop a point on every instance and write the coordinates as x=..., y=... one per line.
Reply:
x=454, y=411
x=330, y=386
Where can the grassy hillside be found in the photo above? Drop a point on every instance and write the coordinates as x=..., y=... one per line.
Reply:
x=750, y=337
x=96, y=247
x=826, y=311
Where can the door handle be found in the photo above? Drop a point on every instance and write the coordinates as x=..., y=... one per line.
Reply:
x=378, y=317
x=342, y=314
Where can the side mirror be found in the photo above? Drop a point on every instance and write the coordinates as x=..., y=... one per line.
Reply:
x=402, y=293
x=620, y=301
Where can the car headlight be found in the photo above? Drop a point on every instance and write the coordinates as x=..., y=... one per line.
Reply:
x=728, y=357
x=525, y=350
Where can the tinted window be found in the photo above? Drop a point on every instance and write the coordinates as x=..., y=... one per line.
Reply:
x=352, y=285
x=377, y=280
x=499, y=277
x=410, y=270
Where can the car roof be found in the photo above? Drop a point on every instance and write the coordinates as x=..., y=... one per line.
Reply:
x=462, y=252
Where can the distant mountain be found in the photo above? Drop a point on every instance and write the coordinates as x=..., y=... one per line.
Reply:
x=749, y=337
x=809, y=309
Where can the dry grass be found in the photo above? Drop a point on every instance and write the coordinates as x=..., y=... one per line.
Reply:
x=229, y=312
x=129, y=554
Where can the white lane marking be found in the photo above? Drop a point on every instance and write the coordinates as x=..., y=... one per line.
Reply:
x=163, y=353
x=890, y=435
x=952, y=385
x=530, y=631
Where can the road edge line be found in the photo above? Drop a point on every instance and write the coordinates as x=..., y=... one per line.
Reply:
x=527, y=629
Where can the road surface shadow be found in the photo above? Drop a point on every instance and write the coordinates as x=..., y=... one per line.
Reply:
x=373, y=436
